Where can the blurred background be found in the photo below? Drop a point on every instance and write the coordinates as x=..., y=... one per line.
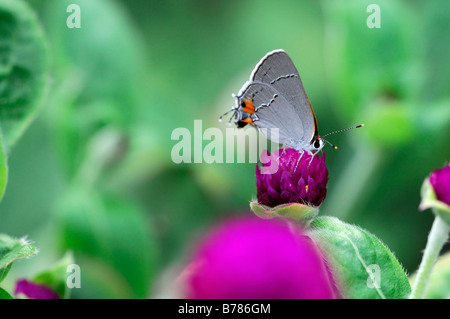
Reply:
x=93, y=173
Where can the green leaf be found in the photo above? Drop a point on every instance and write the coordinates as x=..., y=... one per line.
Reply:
x=439, y=282
x=354, y=254
x=4, y=294
x=293, y=211
x=55, y=277
x=113, y=230
x=12, y=249
x=23, y=68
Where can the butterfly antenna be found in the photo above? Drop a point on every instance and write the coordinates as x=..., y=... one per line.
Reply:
x=233, y=109
x=332, y=145
x=343, y=130
x=232, y=116
x=339, y=131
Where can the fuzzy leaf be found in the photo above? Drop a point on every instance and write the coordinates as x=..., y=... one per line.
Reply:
x=354, y=254
x=12, y=249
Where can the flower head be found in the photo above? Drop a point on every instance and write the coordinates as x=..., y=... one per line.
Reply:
x=436, y=193
x=34, y=291
x=305, y=182
x=255, y=258
x=440, y=181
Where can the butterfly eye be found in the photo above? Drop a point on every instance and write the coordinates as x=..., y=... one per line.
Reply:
x=317, y=143
x=242, y=104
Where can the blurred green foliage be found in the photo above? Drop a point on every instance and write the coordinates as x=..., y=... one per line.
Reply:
x=23, y=68
x=93, y=172
x=55, y=276
x=23, y=75
x=439, y=280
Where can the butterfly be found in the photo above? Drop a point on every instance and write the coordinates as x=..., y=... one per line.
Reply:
x=274, y=98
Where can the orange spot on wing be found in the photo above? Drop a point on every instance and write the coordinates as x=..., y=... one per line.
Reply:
x=249, y=107
x=247, y=120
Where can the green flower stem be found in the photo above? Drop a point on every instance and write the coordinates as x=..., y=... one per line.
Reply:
x=436, y=239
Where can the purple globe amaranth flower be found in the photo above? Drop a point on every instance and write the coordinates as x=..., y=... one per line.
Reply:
x=256, y=258
x=440, y=181
x=34, y=291
x=305, y=183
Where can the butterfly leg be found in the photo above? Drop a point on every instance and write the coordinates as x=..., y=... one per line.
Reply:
x=314, y=154
x=298, y=161
x=282, y=153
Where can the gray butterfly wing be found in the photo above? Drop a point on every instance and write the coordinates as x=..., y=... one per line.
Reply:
x=277, y=70
x=270, y=109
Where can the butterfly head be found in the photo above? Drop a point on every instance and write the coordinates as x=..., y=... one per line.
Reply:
x=317, y=144
x=241, y=113
x=234, y=110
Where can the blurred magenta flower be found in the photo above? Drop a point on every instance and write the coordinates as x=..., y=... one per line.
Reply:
x=440, y=181
x=34, y=291
x=304, y=184
x=255, y=258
